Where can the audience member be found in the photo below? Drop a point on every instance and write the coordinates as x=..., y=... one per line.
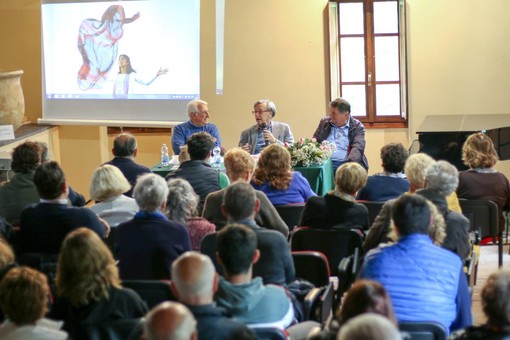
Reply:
x=413, y=270
x=390, y=183
x=76, y=199
x=7, y=262
x=496, y=305
x=44, y=226
x=194, y=282
x=197, y=171
x=198, y=113
x=369, y=326
x=106, y=188
x=339, y=208
x=345, y=131
x=147, y=245
x=240, y=166
x=24, y=300
x=247, y=298
x=482, y=181
x=274, y=177
x=441, y=180
x=125, y=149
x=170, y=320
x=240, y=204
x=88, y=285
x=181, y=205
x=19, y=191
x=265, y=131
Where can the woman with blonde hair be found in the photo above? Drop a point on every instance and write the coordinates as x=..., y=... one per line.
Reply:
x=274, y=177
x=482, y=181
x=339, y=208
x=88, y=285
x=106, y=188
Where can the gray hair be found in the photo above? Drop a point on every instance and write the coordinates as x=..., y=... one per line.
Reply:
x=182, y=200
x=269, y=105
x=496, y=299
x=415, y=169
x=239, y=200
x=194, y=104
x=369, y=326
x=107, y=181
x=443, y=177
x=150, y=192
x=193, y=275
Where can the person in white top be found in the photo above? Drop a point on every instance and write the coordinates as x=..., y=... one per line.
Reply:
x=24, y=300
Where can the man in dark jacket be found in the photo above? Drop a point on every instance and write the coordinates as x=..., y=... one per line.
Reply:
x=346, y=132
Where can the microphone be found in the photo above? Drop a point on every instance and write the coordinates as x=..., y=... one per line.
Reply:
x=264, y=128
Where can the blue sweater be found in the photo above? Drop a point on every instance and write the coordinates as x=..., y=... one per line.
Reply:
x=383, y=188
x=182, y=132
x=298, y=191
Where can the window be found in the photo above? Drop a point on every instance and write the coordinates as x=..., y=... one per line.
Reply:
x=368, y=59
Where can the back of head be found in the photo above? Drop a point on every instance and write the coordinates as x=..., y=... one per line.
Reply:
x=342, y=105
x=150, y=192
x=124, y=145
x=237, y=162
x=200, y=145
x=86, y=269
x=107, y=181
x=193, y=276
x=369, y=327
x=415, y=169
x=394, y=157
x=181, y=201
x=239, y=201
x=478, y=151
x=169, y=321
x=366, y=296
x=49, y=179
x=26, y=157
x=411, y=214
x=443, y=177
x=496, y=299
x=350, y=177
x=24, y=295
x=273, y=167
x=193, y=106
x=236, y=245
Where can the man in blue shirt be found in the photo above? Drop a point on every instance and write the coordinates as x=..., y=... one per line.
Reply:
x=199, y=114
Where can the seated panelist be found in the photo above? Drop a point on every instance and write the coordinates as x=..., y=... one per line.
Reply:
x=266, y=131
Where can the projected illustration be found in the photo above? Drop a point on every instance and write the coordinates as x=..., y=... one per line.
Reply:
x=97, y=43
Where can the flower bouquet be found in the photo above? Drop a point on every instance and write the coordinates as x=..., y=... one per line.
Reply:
x=306, y=152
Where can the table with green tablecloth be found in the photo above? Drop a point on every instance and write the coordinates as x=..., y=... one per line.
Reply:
x=320, y=177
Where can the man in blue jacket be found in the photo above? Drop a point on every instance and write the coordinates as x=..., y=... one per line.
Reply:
x=424, y=281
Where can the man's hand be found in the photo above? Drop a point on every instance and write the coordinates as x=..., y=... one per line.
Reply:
x=106, y=226
x=246, y=147
x=268, y=136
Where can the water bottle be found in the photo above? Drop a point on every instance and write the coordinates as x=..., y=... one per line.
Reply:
x=216, y=159
x=165, y=159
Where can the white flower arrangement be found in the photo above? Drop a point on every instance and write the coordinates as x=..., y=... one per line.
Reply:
x=306, y=152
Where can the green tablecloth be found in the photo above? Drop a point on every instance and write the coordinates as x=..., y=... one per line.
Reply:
x=320, y=177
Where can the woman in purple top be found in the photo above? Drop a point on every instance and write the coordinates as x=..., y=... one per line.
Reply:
x=274, y=177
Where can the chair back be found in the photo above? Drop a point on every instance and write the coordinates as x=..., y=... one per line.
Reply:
x=373, y=210
x=208, y=247
x=482, y=215
x=423, y=330
x=311, y=266
x=290, y=213
x=152, y=292
x=271, y=333
x=111, y=330
x=335, y=244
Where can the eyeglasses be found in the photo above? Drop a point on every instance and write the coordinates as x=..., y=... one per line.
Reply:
x=203, y=112
x=260, y=112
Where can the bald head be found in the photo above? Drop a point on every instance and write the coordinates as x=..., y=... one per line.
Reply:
x=124, y=145
x=194, y=278
x=170, y=321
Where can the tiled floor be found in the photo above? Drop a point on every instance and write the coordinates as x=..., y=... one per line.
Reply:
x=488, y=264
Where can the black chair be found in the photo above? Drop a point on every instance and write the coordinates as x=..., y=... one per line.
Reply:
x=373, y=209
x=208, y=247
x=423, y=330
x=152, y=292
x=111, y=330
x=318, y=303
x=290, y=214
x=271, y=333
x=484, y=216
x=311, y=266
x=43, y=262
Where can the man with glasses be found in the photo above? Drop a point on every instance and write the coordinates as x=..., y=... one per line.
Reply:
x=198, y=113
x=266, y=131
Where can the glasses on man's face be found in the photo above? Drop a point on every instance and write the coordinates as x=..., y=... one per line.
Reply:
x=203, y=113
x=260, y=111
